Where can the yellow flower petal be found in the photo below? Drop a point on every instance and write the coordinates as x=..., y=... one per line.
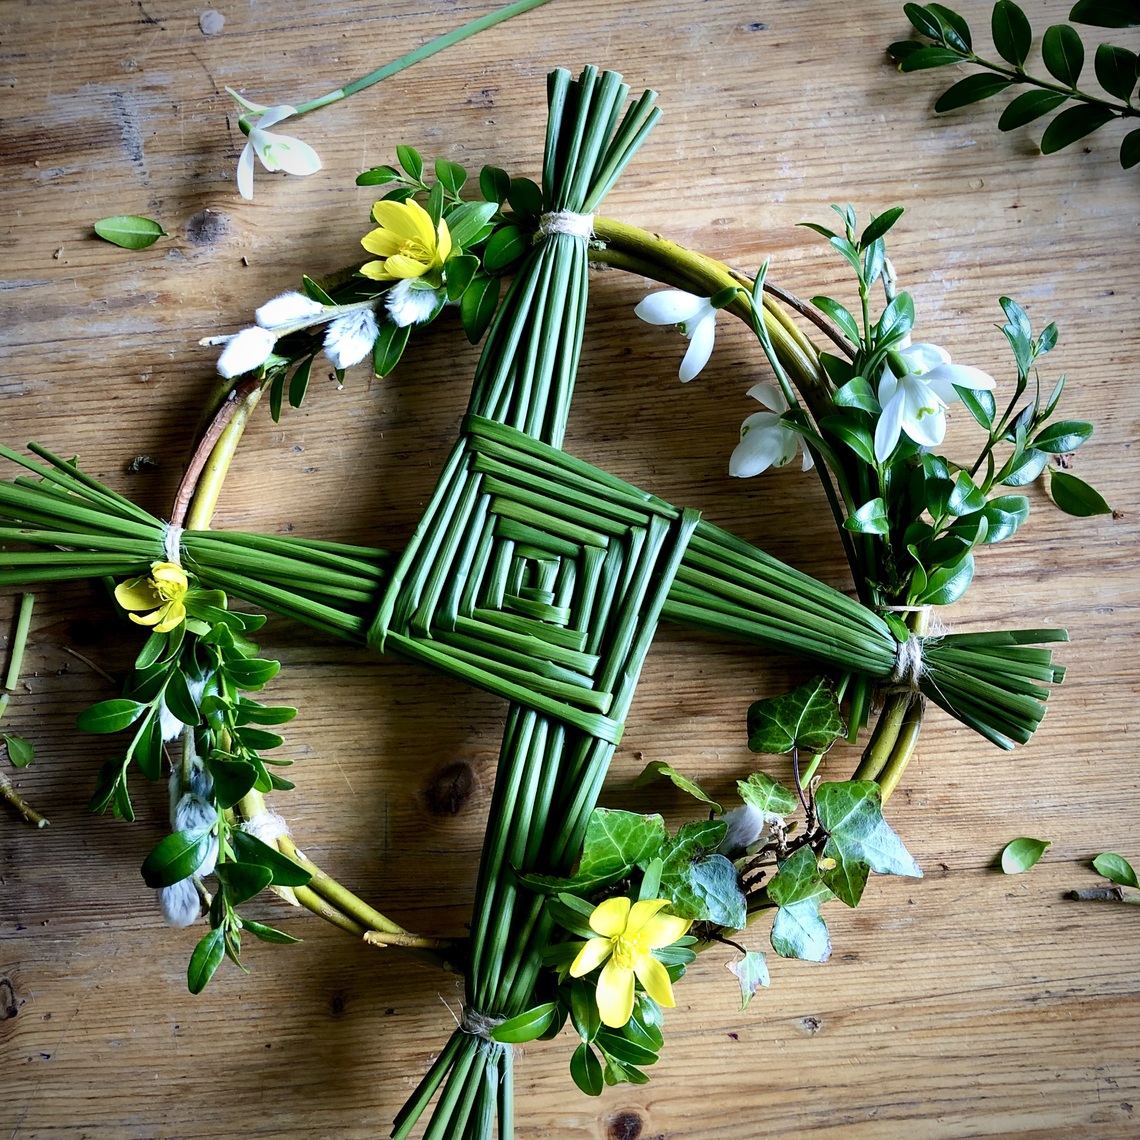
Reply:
x=137, y=594
x=655, y=978
x=664, y=930
x=171, y=616
x=609, y=918
x=403, y=267
x=375, y=271
x=591, y=956
x=407, y=220
x=641, y=913
x=381, y=242
x=615, y=994
x=443, y=243
x=171, y=573
x=147, y=619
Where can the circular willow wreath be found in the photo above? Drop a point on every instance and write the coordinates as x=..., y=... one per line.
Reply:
x=542, y=578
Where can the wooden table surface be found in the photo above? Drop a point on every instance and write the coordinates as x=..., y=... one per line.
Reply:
x=965, y=1004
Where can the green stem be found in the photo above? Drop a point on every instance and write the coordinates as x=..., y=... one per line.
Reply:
x=457, y=35
x=20, y=641
x=12, y=797
x=1123, y=110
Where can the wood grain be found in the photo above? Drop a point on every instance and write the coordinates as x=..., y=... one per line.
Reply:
x=967, y=1004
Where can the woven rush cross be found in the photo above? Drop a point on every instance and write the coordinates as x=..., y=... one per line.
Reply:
x=541, y=578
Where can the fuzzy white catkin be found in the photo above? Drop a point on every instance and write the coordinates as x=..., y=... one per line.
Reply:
x=349, y=338
x=745, y=827
x=170, y=725
x=411, y=302
x=180, y=903
x=248, y=350
x=288, y=309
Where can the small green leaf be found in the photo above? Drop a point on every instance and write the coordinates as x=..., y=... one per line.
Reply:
x=504, y=247
x=434, y=203
x=1116, y=868
x=299, y=382
x=807, y=718
x=179, y=700
x=752, y=973
x=477, y=306
x=870, y=518
x=618, y=1047
x=1106, y=13
x=1130, y=149
x=1026, y=467
x=766, y=795
x=494, y=184
x=1072, y=124
x=389, y=346
x=526, y=1026
x=151, y=651
x=586, y=1070
x=110, y=716
x=267, y=933
x=468, y=220
x=233, y=779
x=948, y=583
x=378, y=176
x=243, y=880
x=1012, y=33
x=878, y=227
x=584, y=1014
x=972, y=89
x=1022, y=854
x=937, y=485
x=896, y=321
x=20, y=751
x=1075, y=497
x=1063, y=53
x=251, y=673
x=658, y=769
x=409, y=158
x=451, y=175
x=525, y=197
x=923, y=21
x=251, y=712
x=176, y=857
x=459, y=272
x=928, y=57
x=979, y=403
x=1028, y=106
x=146, y=748
x=955, y=30
x=836, y=312
x=854, y=434
x=900, y=49
x=1063, y=436
x=314, y=291
x=1116, y=70
x=857, y=393
x=1004, y=515
x=286, y=872
x=205, y=960
x=129, y=231
x=965, y=498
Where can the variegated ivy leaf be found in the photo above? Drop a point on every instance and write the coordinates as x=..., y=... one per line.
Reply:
x=807, y=719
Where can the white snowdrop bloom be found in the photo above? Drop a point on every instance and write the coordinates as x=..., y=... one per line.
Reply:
x=350, y=337
x=276, y=151
x=765, y=439
x=694, y=317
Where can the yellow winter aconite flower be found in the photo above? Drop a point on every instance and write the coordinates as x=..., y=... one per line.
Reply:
x=406, y=242
x=627, y=937
x=163, y=593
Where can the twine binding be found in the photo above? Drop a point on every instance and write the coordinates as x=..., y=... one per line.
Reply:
x=172, y=543
x=565, y=222
x=479, y=1024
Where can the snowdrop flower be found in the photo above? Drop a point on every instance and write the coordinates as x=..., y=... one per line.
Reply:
x=413, y=301
x=746, y=825
x=276, y=151
x=765, y=439
x=915, y=402
x=245, y=351
x=288, y=309
x=350, y=337
x=694, y=317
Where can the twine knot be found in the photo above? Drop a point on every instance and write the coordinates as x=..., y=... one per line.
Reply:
x=479, y=1024
x=267, y=826
x=908, y=663
x=565, y=222
x=172, y=543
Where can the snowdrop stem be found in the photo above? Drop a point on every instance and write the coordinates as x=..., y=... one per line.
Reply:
x=456, y=35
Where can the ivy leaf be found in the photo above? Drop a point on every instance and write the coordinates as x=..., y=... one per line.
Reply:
x=1063, y=53
x=1072, y=124
x=1012, y=33
x=1116, y=868
x=766, y=795
x=807, y=718
x=1022, y=854
x=798, y=891
x=703, y=886
x=1075, y=497
x=656, y=769
x=1028, y=106
x=751, y=972
x=20, y=751
x=129, y=231
x=972, y=89
x=852, y=815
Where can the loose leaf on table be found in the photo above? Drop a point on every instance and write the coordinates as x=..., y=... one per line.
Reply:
x=1075, y=497
x=807, y=718
x=1116, y=868
x=767, y=795
x=657, y=769
x=798, y=891
x=20, y=751
x=1022, y=854
x=129, y=231
x=752, y=973
x=858, y=838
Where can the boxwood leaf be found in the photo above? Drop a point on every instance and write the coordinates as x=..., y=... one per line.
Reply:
x=1116, y=868
x=1022, y=854
x=1063, y=436
x=979, y=403
x=857, y=393
x=972, y=89
x=929, y=57
x=251, y=673
x=586, y=1070
x=267, y=933
x=409, y=158
x=129, y=231
x=1106, y=13
x=1063, y=53
x=178, y=699
x=526, y=1026
x=948, y=583
x=286, y=872
x=1075, y=497
x=839, y=315
x=478, y=304
x=1074, y=123
x=20, y=751
x=1116, y=70
x=807, y=718
x=378, y=176
x=451, y=175
x=110, y=716
x=175, y=857
x=1012, y=33
x=878, y=226
x=205, y=960
x=1004, y=515
x=1028, y=106
x=233, y=779
x=494, y=184
x=243, y=880
x=870, y=518
x=1130, y=149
